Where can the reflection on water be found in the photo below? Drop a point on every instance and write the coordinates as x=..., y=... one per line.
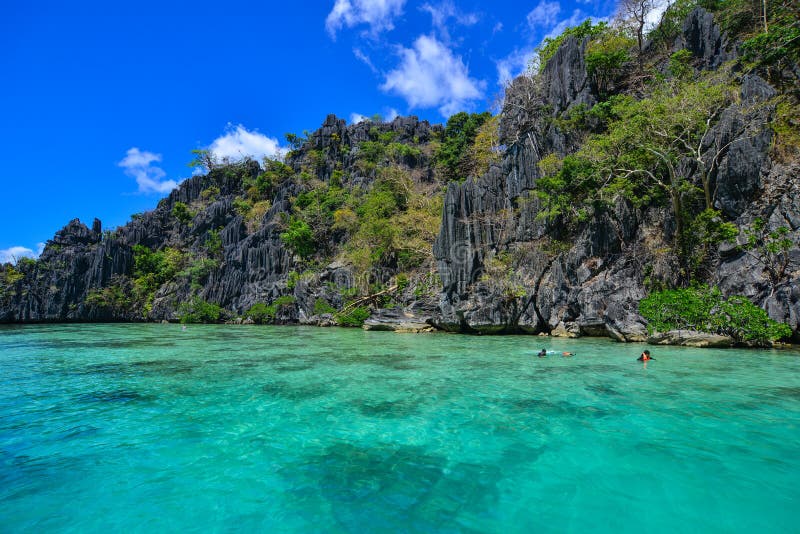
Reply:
x=303, y=429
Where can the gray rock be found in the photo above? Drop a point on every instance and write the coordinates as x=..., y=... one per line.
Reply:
x=689, y=338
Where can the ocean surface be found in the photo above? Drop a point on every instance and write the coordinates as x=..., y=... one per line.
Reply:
x=149, y=428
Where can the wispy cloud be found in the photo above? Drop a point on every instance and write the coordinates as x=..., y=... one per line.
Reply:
x=430, y=75
x=544, y=14
x=513, y=65
x=543, y=23
x=355, y=118
x=379, y=15
x=139, y=164
x=361, y=56
x=442, y=13
x=13, y=254
x=238, y=142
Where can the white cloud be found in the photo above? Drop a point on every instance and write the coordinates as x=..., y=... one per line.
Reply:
x=12, y=254
x=513, y=65
x=544, y=14
x=391, y=115
x=139, y=165
x=238, y=142
x=429, y=75
x=365, y=59
x=654, y=17
x=355, y=118
x=443, y=12
x=379, y=15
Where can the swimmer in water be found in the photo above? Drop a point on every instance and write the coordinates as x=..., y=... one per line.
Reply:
x=645, y=357
x=542, y=353
x=567, y=353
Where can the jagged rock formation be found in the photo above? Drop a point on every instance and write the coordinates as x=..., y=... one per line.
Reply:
x=502, y=267
x=252, y=264
x=594, y=286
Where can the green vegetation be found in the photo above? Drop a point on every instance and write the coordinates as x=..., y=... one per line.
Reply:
x=299, y=237
x=114, y=298
x=352, y=316
x=198, y=310
x=322, y=306
x=703, y=309
x=459, y=135
x=213, y=243
x=151, y=269
x=261, y=313
x=606, y=54
x=770, y=248
x=639, y=154
x=550, y=45
x=182, y=213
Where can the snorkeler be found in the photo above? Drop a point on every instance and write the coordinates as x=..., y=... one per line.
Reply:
x=542, y=353
x=567, y=353
x=645, y=357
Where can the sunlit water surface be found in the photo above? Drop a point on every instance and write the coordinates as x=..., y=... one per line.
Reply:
x=148, y=428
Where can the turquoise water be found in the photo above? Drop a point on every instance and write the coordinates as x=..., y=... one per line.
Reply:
x=138, y=428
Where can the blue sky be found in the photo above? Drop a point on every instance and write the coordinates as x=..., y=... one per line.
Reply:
x=101, y=103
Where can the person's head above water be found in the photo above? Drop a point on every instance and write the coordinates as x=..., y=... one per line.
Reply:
x=543, y=352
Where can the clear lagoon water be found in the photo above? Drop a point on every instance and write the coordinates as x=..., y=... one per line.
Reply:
x=148, y=428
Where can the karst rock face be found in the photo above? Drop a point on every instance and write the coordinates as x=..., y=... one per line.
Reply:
x=594, y=286
x=503, y=268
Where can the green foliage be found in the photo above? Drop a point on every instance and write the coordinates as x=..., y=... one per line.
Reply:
x=182, y=213
x=256, y=214
x=115, y=298
x=151, y=269
x=292, y=279
x=771, y=248
x=485, y=148
x=213, y=243
x=705, y=233
x=322, y=306
x=202, y=159
x=459, y=135
x=352, y=317
x=550, y=45
x=679, y=64
x=671, y=24
x=295, y=141
x=198, y=270
x=777, y=47
x=262, y=313
x=198, y=310
x=275, y=173
x=209, y=194
x=399, y=153
x=9, y=277
x=606, y=54
x=371, y=151
x=703, y=309
x=242, y=206
x=299, y=237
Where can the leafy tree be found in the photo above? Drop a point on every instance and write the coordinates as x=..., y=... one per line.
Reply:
x=703, y=309
x=605, y=56
x=644, y=152
x=352, y=317
x=459, y=135
x=634, y=13
x=198, y=310
x=299, y=237
x=550, y=45
x=182, y=213
x=770, y=247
